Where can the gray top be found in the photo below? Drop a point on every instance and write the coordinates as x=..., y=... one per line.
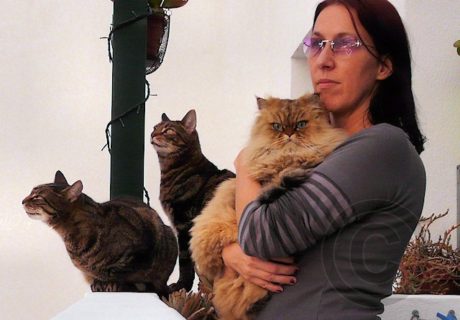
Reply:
x=348, y=225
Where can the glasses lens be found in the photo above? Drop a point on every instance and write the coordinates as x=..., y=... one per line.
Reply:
x=346, y=45
x=312, y=45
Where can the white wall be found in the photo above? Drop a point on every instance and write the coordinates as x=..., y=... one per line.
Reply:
x=433, y=27
x=55, y=102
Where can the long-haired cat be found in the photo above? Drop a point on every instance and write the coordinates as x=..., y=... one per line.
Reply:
x=289, y=137
x=119, y=245
x=188, y=181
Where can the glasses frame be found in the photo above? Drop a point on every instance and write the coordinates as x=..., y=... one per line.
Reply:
x=308, y=50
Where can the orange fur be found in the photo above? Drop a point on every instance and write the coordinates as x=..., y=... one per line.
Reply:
x=272, y=154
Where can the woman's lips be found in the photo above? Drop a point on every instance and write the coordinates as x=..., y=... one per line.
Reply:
x=326, y=84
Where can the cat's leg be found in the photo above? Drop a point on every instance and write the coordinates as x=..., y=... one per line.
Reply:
x=288, y=179
x=186, y=266
x=104, y=286
x=115, y=286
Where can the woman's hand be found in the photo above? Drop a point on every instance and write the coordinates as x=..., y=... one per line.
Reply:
x=268, y=275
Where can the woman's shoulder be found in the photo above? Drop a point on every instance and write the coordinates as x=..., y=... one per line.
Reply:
x=383, y=132
x=381, y=146
x=380, y=138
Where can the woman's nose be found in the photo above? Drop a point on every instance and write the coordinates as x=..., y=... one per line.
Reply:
x=325, y=57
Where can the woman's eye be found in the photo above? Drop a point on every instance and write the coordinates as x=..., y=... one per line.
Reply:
x=345, y=43
x=277, y=126
x=301, y=124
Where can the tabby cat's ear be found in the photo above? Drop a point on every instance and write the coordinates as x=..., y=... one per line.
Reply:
x=189, y=121
x=164, y=117
x=261, y=103
x=74, y=191
x=60, y=179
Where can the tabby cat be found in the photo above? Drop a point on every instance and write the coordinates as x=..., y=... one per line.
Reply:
x=289, y=138
x=119, y=245
x=188, y=181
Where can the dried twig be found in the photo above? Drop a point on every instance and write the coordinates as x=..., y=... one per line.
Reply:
x=428, y=266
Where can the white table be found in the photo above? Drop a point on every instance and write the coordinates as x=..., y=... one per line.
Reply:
x=119, y=306
x=147, y=306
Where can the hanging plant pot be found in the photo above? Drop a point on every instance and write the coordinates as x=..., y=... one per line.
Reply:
x=169, y=4
x=157, y=39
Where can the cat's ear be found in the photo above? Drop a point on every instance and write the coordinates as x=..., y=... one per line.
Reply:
x=164, y=117
x=74, y=191
x=261, y=103
x=60, y=179
x=189, y=121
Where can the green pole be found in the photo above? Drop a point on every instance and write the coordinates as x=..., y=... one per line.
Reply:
x=128, y=90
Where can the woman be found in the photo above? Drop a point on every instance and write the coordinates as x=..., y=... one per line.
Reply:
x=348, y=224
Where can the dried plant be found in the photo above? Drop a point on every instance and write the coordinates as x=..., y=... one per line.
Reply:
x=192, y=305
x=429, y=267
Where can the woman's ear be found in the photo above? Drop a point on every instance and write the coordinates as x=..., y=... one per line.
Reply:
x=385, y=68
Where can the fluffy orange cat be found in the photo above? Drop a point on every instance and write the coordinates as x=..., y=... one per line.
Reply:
x=288, y=138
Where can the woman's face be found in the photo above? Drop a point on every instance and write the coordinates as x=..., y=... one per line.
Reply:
x=345, y=81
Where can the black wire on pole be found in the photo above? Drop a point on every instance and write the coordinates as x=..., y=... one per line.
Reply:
x=137, y=107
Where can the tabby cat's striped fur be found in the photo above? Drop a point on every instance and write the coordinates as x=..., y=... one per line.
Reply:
x=188, y=181
x=119, y=245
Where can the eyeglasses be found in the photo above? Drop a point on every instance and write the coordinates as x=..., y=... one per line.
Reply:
x=344, y=45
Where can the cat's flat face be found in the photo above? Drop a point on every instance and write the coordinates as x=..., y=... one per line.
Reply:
x=284, y=122
x=171, y=136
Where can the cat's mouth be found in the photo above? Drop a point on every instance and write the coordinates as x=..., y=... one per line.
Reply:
x=36, y=214
x=156, y=142
x=31, y=211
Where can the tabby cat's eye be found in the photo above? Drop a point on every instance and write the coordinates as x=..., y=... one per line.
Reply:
x=277, y=126
x=301, y=124
x=169, y=131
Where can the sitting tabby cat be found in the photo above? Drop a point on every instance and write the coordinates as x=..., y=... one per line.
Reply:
x=188, y=181
x=119, y=245
x=289, y=138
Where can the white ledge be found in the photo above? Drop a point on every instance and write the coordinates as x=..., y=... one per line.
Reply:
x=400, y=306
x=119, y=306
x=140, y=306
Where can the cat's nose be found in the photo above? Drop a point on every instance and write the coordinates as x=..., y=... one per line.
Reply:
x=289, y=132
x=26, y=199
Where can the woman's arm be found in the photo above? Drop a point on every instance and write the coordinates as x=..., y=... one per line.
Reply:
x=367, y=172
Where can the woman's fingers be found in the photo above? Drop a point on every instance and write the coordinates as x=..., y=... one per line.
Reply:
x=287, y=260
x=268, y=275
x=267, y=285
x=272, y=267
x=272, y=278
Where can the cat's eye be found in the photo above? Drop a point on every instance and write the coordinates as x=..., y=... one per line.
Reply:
x=277, y=126
x=169, y=131
x=301, y=124
x=37, y=197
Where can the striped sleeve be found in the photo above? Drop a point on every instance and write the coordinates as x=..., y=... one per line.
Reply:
x=296, y=220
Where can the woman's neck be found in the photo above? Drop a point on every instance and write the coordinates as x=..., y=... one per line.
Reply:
x=351, y=122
